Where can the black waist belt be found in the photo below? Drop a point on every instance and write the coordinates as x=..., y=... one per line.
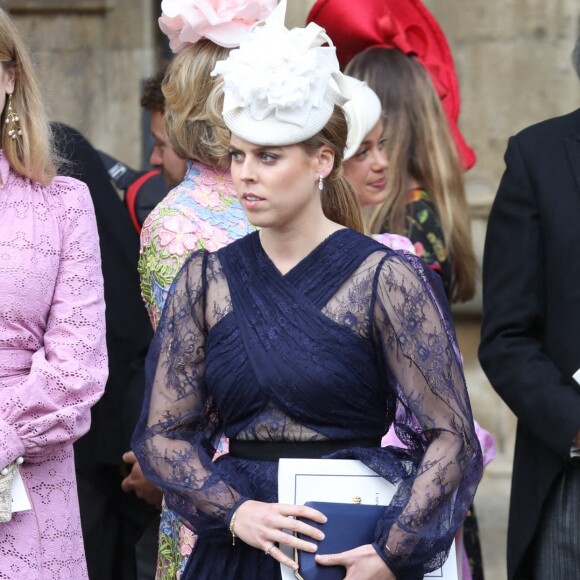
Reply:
x=274, y=450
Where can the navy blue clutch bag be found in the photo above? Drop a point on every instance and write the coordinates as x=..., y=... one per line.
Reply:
x=349, y=525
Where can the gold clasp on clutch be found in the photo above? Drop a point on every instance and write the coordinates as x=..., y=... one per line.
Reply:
x=356, y=499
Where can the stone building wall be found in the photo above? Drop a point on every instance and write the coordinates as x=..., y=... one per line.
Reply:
x=91, y=57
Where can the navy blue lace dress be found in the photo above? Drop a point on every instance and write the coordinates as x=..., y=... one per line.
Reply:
x=346, y=343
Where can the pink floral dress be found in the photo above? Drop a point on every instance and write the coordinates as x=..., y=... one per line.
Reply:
x=201, y=212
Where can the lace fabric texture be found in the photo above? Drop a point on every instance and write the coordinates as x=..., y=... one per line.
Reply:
x=201, y=212
x=53, y=364
x=346, y=343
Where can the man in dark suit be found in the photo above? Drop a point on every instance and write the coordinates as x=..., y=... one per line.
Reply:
x=530, y=346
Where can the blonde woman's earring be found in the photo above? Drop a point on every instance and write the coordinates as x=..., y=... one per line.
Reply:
x=320, y=182
x=12, y=121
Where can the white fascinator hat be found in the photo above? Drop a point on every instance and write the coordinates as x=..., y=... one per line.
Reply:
x=280, y=85
x=363, y=112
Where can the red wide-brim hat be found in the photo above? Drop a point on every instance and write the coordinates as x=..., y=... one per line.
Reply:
x=407, y=26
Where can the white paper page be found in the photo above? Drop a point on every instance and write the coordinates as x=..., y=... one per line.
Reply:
x=340, y=480
x=20, y=501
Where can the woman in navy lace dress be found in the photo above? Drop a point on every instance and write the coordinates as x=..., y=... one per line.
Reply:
x=303, y=340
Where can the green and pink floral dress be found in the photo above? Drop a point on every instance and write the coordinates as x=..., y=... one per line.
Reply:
x=201, y=212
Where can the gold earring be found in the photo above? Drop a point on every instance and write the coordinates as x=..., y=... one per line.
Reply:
x=12, y=121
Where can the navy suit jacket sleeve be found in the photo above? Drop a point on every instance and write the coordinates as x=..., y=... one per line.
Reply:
x=515, y=306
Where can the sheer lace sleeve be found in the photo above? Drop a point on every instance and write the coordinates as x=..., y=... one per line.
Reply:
x=179, y=428
x=434, y=418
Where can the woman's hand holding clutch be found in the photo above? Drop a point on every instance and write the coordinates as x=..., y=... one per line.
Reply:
x=362, y=563
x=262, y=526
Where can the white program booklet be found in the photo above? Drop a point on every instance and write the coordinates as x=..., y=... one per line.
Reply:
x=344, y=481
x=20, y=500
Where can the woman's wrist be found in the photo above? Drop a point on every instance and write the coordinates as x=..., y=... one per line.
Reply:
x=386, y=555
x=232, y=522
x=18, y=461
x=232, y=518
x=12, y=447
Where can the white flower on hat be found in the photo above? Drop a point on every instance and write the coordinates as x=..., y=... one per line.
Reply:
x=225, y=22
x=281, y=86
x=279, y=70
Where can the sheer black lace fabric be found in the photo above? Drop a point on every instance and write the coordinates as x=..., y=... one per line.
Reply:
x=346, y=343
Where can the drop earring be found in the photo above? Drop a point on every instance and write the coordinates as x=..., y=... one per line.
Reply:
x=320, y=182
x=12, y=121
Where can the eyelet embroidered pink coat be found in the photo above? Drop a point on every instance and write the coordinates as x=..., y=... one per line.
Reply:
x=53, y=364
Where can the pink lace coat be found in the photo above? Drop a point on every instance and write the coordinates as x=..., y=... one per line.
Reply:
x=53, y=365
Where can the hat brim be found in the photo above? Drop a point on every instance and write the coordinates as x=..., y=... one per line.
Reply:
x=270, y=131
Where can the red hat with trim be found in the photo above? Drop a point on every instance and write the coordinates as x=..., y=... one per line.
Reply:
x=406, y=25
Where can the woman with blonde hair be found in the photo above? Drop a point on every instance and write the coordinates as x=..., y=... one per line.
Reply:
x=202, y=211
x=399, y=49
x=53, y=360
x=425, y=198
x=301, y=340
x=365, y=159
